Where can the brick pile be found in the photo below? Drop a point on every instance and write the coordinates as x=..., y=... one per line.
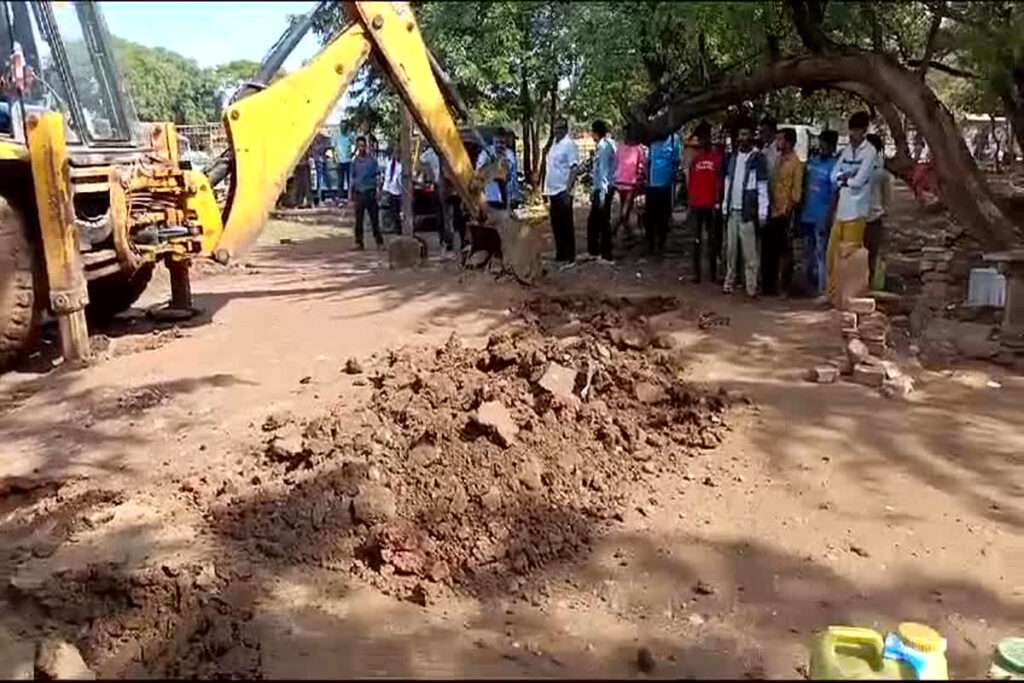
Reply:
x=866, y=334
x=935, y=274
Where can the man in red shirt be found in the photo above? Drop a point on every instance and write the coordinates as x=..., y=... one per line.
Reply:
x=704, y=187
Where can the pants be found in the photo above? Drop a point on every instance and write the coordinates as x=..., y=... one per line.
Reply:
x=706, y=224
x=457, y=224
x=815, y=241
x=599, y=226
x=741, y=234
x=344, y=168
x=626, y=199
x=873, y=239
x=659, y=212
x=842, y=231
x=560, y=208
x=394, y=211
x=323, y=180
x=367, y=201
x=776, y=256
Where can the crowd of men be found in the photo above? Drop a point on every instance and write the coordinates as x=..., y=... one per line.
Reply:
x=372, y=182
x=751, y=198
x=750, y=202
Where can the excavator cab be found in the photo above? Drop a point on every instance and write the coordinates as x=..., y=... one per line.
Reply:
x=67, y=67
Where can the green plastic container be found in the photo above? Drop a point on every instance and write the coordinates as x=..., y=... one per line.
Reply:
x=1008, y=663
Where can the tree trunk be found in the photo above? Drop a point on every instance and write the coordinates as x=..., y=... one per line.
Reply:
x=526, y=119
x=407, y=165
x=552, y=115
x=961, y=184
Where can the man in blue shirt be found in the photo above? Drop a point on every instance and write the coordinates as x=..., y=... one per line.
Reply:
x=342, y=143
x=599, y=224
x=363, y=191
x=663, y=162
x=500, y=195
x=818, y=192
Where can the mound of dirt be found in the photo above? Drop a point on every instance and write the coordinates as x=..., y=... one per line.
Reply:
x=174, y=622
x=469, y=466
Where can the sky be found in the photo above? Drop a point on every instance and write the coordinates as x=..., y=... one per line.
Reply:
x=211, y=33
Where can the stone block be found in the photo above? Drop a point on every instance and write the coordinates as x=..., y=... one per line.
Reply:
x=848, y=320
x=856, y=351
x=869, y=375
x=934, y=276
x=824, y=374
x=934, y=290
x=860, y=304
x=406, y=252
x=879, y=349
x=898, y=387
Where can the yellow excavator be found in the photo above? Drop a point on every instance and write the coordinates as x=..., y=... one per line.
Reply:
x=91, y=199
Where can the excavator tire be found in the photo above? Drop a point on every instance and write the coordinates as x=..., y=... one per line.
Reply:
x=21, y=291
x=113, y=294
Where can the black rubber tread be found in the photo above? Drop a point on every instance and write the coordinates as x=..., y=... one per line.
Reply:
x=21, y=297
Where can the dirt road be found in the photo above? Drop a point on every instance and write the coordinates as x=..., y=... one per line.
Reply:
x=822, y=505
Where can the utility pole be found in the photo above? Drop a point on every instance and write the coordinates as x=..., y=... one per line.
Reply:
x=407, y=169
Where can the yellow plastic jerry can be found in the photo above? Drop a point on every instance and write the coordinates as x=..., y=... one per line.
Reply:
x=852, y=653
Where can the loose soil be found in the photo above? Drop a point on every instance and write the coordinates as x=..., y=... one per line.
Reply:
x=340, y=470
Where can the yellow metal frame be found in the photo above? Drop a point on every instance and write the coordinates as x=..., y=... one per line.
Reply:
x=51, y=179
x=271, y=130
x=396, y=36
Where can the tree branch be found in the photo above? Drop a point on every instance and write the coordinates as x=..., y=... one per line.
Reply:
x=929, y=47
x=807, y=15
x=944, y=68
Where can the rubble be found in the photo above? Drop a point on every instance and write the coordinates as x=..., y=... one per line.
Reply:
x=60, y=660
x=868, y=375
x=405, y=491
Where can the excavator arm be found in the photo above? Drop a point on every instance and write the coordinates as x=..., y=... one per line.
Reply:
x=270, y=130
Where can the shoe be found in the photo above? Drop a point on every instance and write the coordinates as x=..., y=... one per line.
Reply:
x=726, y=289
x=584, y=258
x=606, y=261
x=567, y=266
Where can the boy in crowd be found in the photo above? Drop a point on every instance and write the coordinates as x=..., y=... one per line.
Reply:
x=814, y=214
x=744, y=205
x=705, y=184
x=787, y=191
x=852, y=175
x=342, y=143
x=664, y=160
x=630, y=171
x=881, y=196
x=599, y=225
x=393, y=189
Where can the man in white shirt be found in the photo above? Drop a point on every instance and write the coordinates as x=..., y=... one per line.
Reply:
x=881, y=197
x=744, y=206
x=563, y=162
x=852, y=175
x=393, y=189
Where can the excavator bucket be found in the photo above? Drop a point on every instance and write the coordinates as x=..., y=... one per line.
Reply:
x=269, y=131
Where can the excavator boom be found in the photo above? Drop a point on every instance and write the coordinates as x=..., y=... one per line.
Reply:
x=270, y=130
